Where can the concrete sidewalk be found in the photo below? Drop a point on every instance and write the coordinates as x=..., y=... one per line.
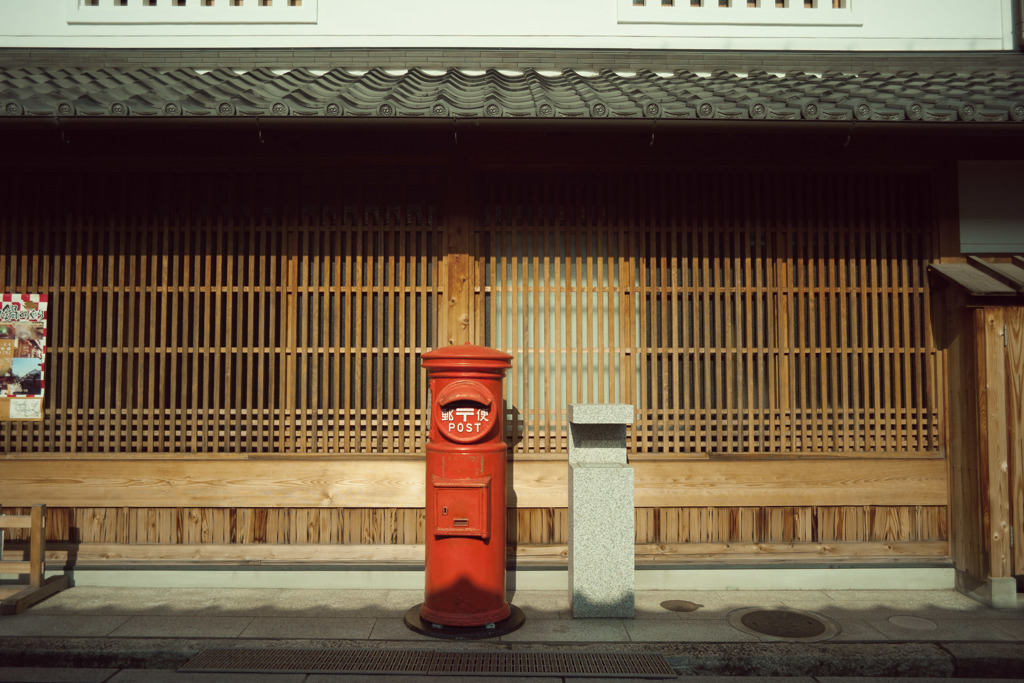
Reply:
x=144, y=634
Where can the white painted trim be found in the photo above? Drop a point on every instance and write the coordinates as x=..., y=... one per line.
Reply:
x=647, y=579
x=766, y=15
x=1009, y=29
x=252, y=40
x=878, y=25
x=880, y=578
x=135, y=12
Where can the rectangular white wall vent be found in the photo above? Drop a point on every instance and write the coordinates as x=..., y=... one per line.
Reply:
x=740, y=12
x=192, y=11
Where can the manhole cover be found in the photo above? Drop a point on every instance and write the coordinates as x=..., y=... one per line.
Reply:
x=681, y=606
x=783, y=624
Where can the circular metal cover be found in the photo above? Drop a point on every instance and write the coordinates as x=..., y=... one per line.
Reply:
x=681, y=606
x=912, y=623
x=413, y=621
x=784, y=624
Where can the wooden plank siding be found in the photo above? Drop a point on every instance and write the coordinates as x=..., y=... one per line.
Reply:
x=233, y=358
x=212, y=526
x=985, y=433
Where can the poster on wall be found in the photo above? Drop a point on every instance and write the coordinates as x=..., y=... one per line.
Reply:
x=22, y=356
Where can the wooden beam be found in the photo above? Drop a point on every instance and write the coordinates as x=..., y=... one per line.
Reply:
x=761, y=553
x=947, y=211
x=15, y=522
x=459, y=250
x=99, y=555
x=792, y=482
x=1007, y=274
x=19, y=601
x=400, y=483
x=994, y=441
x=957, y=324
x=176, y=483
x=1015, y=426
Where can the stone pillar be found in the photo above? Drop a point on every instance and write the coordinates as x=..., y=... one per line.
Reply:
x=601, y=517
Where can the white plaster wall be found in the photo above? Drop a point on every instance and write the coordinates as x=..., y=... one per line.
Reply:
x=882, y=25
x=991, y=206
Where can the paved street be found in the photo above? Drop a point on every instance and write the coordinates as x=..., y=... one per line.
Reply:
x=145, y=634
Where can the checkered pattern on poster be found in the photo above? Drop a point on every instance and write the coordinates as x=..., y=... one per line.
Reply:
x=22, y=356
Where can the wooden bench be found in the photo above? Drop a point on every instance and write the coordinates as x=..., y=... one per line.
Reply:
x=18, y=598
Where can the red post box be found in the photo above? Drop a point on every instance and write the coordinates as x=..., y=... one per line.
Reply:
x=465, y=504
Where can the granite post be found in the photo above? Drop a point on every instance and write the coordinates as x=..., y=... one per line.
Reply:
x=601, y=517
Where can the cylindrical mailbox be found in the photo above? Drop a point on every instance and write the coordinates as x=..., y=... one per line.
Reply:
x=465, y=478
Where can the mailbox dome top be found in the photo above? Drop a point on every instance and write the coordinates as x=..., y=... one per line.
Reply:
x=461, y=355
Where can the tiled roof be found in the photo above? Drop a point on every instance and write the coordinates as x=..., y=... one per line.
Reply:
x=147, y=92
x=978, y=277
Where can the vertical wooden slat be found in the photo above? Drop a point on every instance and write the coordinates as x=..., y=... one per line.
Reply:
x=822, y=355
x=642, y=300
x=217, y=379
x=402, y=339
x=378, y=295
x=114, y=337
x=751, y=407
x=842, y=255
x=532, y=343
x=785, y=314
x=313, y=356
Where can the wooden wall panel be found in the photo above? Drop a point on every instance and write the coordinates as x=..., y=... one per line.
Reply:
x=400, y=483
x=526, y=526
x=234, y=355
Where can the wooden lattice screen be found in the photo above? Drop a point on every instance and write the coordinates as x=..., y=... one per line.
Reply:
x=215, y=314
x=250, y=315
x=744, y=314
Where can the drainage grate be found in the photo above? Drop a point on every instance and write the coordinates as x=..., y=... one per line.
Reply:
x=310, y=661
x=552, y=664
x=425, y=663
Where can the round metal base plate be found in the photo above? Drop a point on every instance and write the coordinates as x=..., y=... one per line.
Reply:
x=784, y=624
x=514, y=621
